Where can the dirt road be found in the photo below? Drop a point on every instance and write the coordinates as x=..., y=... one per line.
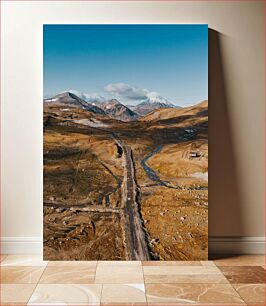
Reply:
x=136, y=244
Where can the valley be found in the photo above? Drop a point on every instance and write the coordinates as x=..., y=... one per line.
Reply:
x=120, y=185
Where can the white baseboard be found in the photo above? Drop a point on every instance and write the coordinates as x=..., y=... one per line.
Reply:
x=21, y=245
x=217, y=245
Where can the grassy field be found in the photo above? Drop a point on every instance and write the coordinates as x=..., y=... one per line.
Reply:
x=83, y=189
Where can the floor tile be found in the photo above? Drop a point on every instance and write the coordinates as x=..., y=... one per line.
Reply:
x=119, y=263
x=183, y=274
x=242, y=260
x=208, y=263
x=251, y=293
x=117, y=274
x=88, y=264
x=129, y=304
x=16, y=293
x=21, y=275
x=123, y=293
x=171, y=263
x=68, y=275
x=2, y=256
x=186, y=279
x=184, y=270
x=195, y=304
x=66, y=294
x=24, y=260
x=192, y=293
x=244, y=274
x=14, y=304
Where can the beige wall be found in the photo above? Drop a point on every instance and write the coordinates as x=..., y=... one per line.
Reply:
x=236, y=99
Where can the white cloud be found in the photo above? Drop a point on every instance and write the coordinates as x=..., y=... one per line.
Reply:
x=130, y=94
x=94, y=97
x=125, y=91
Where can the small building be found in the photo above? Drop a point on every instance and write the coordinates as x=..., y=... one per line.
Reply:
x=194, y=154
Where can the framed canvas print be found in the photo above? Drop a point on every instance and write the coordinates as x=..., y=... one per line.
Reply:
x=125, y=142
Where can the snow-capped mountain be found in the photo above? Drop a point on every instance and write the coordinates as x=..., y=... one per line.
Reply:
x=154, y=97
x=112, y=107
x=98, y=105
x=70, y=99
x=152, y=102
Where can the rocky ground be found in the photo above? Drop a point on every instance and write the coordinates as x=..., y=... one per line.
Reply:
x=83, y=183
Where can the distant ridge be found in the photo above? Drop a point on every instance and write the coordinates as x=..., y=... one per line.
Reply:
x=200, y=109
x=150, y=105
x=118, y=111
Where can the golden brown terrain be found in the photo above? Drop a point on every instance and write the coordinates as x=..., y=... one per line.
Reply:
x=86, y=165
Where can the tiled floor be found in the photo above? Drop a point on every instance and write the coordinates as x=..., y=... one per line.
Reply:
x=28, y=280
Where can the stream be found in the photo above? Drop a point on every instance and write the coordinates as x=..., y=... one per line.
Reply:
x=154, y=177
x=150, y=172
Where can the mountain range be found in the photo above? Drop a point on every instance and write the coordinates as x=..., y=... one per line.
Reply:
x=69, y=99
x=113, y=108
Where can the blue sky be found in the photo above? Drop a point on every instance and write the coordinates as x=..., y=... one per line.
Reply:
x=128, y=61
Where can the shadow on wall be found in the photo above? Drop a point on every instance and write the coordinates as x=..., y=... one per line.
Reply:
x=225, y=217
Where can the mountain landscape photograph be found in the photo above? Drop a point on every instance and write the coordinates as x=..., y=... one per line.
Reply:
x=125, y=142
